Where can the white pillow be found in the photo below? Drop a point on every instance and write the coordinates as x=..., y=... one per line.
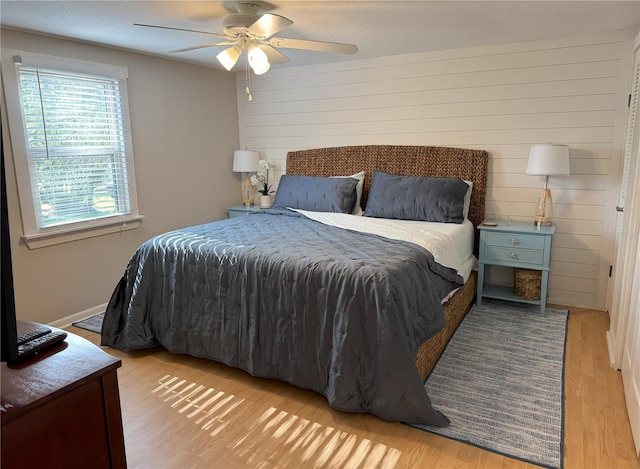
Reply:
x=360, y=177
x=467, y=199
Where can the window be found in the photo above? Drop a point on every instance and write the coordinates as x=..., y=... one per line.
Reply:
x=72, y=147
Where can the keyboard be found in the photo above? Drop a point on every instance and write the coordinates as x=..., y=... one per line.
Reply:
x=37, y=340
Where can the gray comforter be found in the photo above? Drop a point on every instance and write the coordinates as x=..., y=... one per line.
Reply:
x=286, y=297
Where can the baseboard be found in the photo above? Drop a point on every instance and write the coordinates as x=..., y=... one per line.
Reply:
x=611, y=348
x=66, y=321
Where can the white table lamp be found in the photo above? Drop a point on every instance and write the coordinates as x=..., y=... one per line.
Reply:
x=246, y=162
x=547, y=160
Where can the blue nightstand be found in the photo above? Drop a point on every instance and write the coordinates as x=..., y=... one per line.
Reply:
x=241, y=210
x=519, y=245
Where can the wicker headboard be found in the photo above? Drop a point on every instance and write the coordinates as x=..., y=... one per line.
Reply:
x=470, y=165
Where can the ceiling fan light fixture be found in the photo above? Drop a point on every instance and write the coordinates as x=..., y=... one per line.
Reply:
x=251, y=31
x=258, y=60
x=229, y=57
x=264, y=69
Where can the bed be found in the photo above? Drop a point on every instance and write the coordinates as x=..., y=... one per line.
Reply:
x=282, y=295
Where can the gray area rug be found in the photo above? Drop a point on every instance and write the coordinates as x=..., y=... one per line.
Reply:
x=93, y=323
x=501, y=382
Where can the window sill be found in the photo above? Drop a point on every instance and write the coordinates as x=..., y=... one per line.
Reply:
x=41, y=240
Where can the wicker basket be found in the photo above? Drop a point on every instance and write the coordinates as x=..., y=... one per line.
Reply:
x=527, y=283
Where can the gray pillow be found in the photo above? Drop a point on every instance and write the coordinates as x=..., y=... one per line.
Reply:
x=316, y=194
x=357, y=210
x=416, y=198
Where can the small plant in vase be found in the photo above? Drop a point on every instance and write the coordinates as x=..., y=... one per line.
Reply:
x=261, y=180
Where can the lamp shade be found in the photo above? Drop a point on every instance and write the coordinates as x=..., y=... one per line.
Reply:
x=229, y=57
x=548, y=159
x=258, y=60
x=245, y=161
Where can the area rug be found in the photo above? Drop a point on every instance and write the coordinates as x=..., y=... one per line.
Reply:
x=501, y=382
x=93, y=323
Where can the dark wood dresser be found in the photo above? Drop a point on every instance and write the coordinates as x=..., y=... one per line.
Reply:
x=61, y=408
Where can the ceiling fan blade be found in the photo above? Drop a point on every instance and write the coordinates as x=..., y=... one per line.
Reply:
x=274, y=56
x=268, y=25
x=319, y=46
x=212, y=44
x=220, y=35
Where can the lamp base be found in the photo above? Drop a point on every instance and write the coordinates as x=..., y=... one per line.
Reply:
x=544, y=209
x=538, y=223
x=248, y=191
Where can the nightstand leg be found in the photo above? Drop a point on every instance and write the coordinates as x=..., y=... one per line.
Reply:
x=480, y=284
x=543, y=291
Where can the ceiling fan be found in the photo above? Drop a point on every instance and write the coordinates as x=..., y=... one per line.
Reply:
x=248, y=30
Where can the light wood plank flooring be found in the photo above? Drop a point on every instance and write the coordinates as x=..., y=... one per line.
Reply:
x=258, y=423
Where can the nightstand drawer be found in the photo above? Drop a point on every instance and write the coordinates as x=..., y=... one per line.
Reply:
x=514, y=255
x=515, y=240
x=241, y=210
x=238, y=213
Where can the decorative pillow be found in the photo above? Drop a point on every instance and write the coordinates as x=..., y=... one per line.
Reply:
x=467, y=198
x=360, y=177
x=416, y=198
x=316, y=194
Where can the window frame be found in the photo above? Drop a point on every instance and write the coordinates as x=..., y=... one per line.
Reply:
x=33, y=236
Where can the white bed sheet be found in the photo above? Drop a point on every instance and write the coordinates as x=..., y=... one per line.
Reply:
x=451, y=244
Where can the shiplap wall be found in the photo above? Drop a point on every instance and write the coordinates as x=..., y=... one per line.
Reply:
x=502, y=99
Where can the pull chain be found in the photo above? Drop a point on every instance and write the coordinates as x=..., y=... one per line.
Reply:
x=247, y=78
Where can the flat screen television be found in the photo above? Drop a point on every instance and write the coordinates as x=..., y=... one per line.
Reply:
x=8, y=330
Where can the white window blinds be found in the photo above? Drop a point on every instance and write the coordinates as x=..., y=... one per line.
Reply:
x=75, y=143
x=71, y=147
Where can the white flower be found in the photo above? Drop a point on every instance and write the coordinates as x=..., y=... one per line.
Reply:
x=262, y=177
x=263, y=171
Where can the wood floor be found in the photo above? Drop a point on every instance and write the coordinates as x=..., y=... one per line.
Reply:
x=257, y=423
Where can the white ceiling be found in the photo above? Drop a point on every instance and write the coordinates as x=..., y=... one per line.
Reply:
x=378, y=28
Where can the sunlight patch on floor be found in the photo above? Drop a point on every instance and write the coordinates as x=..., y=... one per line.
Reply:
x=303, y=441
